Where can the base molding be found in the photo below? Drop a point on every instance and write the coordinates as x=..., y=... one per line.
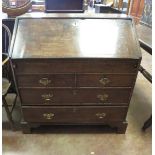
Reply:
x=115, y=127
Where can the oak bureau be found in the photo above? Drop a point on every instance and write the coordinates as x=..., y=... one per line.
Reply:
x=75, y=69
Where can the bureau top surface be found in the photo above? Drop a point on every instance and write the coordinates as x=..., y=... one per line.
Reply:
x=76, y=37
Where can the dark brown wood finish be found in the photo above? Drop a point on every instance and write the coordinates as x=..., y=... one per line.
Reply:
x=89, y=65
x=70, y=38
x=46, y=80
x=64, y=76
x=86, y=96
x=89, y=114
x=81, y=80
x=105, y=80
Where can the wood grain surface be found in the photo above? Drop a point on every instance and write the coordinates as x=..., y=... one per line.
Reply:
x=75, y=38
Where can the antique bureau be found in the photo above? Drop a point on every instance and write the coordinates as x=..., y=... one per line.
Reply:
x=75, y=69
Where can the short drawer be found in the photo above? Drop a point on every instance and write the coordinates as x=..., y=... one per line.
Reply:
x=46, y=80
x=80, y=114
x=75, y=66
x=75, y=96
x=105, y=80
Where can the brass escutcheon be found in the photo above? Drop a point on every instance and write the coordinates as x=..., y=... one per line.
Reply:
x=44, y=81
x=74, y=92
x=101, y=115
x=104, y=81
x=47, y=97
x=103, y=97
x=48, y=115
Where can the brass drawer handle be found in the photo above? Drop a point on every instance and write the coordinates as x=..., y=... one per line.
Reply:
x=47, y=97
x=101, y=115
x=48, y=115
x=104, y=81
x=45, y=81
x=103, y=97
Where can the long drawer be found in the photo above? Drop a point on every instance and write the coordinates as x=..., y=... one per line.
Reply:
x=75, y=96
x=75, y=66
x=77, y=114
x=78, y=80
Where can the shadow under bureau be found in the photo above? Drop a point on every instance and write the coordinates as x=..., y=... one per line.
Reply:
x=75, y=69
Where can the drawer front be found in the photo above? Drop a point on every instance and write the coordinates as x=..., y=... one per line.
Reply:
x=76, y=66
x=44, y=80
x=75, y=96
x=105, y=80
x=64, y=114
